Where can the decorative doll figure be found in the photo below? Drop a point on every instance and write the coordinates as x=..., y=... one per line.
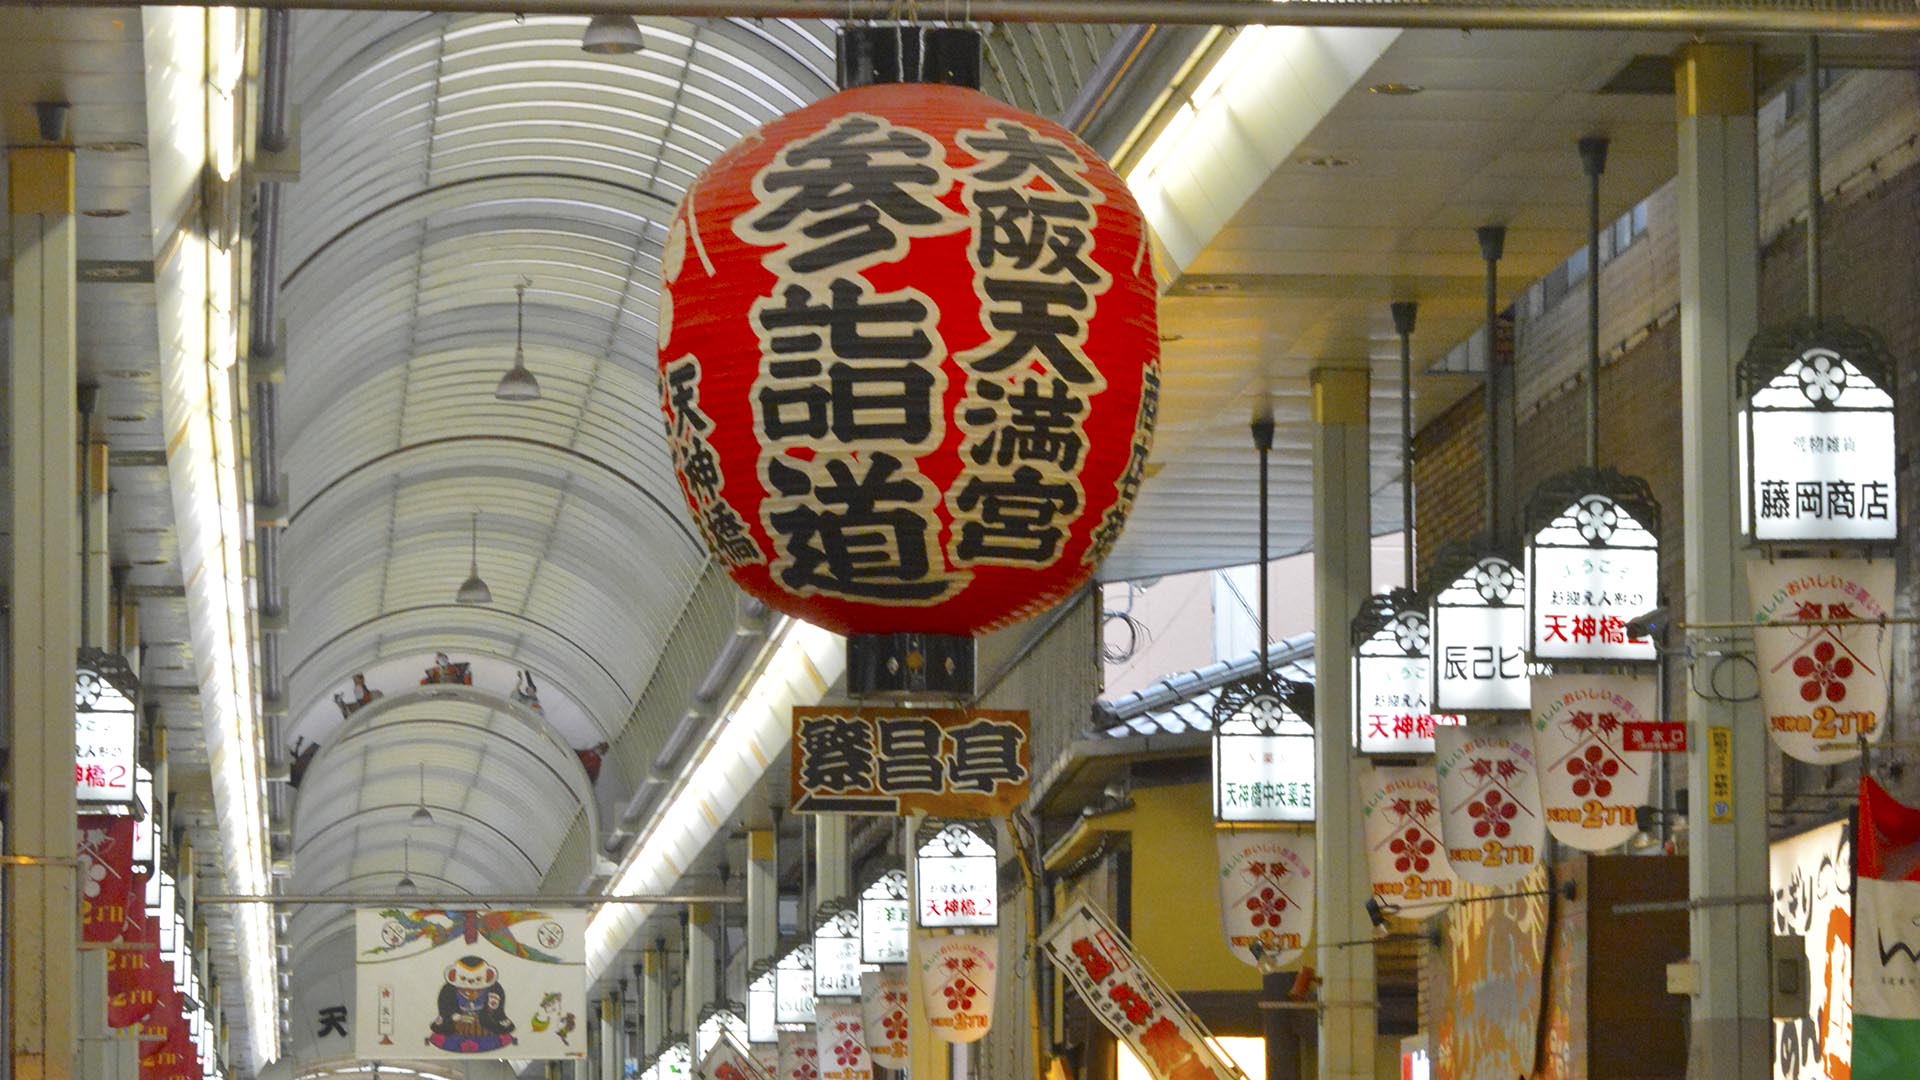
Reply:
x=473, y=1010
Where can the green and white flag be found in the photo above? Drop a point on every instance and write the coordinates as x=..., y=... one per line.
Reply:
x=1886, y=939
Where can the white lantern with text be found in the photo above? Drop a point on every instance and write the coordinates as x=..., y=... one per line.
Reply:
x=886, y=915
x=1393, y=677
x=1818, y=448
x=793, y=1000
x=1593, y=565
x=1263, y=767
x=957, y=875
x=1479, y=624
x=836, y=951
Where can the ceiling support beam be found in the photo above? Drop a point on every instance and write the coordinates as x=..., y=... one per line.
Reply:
x=1758, y=19
x=462, y=900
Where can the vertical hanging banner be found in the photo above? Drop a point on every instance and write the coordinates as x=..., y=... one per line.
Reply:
x=840, y=1035
x=1490, y=802
x=1098, y=960
x=957, y=977
x=1886, y=938
x=467, y=984
x=132, y=979
x=1825, y=687
x=1406, y=858
x=1591, y=785
x=1393, y=677
x=799, y=1055
x=1266, y=895
x=107, y=896
x=104, y=723
x=1593, y=564
x=1479, y=651
x=883, y=1015
x=1811, y=877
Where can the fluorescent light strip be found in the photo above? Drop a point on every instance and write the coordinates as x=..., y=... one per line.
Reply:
x=192, y=80
x=803, y=661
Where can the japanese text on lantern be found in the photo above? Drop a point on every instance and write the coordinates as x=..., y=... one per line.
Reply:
x=1127, y=488
x=944, y=762
x=1023, y=418
x=850, y=382
x=693, y=456
x=1129, y=1000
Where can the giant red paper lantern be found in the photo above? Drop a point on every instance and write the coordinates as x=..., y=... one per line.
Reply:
x=909, y=360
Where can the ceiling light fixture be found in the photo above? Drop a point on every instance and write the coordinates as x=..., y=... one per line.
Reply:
x=422, y=816
x=474, y=590
x=406, y=886
x=518, y=384
x=612, y=35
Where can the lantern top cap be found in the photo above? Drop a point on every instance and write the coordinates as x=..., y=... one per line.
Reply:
x=871, y=55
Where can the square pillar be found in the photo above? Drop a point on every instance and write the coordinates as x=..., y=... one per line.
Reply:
x=1719, y=297
x=1342, y=573
x=832, y=876
x=763, y=895
x=703, y=948
x=42, y=913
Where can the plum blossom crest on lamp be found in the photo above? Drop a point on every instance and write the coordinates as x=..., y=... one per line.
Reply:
x=474, y=590
x=518, y=384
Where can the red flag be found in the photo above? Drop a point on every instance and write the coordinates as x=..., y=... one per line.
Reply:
x=1888, y=845
x=163, y=1035
x=106, y=875
x=131, y=984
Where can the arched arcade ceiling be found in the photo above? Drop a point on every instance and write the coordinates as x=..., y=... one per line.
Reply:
x=446, y=157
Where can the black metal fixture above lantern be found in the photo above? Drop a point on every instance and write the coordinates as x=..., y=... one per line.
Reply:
x=1593, y=565
x=1818, y=449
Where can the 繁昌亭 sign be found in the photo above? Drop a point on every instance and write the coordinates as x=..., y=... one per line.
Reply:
x=1099, y=962
x=940, y=762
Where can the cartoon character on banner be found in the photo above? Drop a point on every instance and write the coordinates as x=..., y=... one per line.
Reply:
x=473, y=1010
x=553, y=1014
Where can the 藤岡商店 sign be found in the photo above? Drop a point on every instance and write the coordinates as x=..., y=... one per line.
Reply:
x=1819, y=451
x=1823, y=659
x=1096, y=958
x=940, y=762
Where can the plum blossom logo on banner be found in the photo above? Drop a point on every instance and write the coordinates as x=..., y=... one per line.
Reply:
x=1490, y=800
x=1823, y=655
x=1406, y=857
x=1591, y=785
x=1266, y=895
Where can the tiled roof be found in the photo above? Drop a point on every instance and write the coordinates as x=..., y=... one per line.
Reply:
x=1184, y=702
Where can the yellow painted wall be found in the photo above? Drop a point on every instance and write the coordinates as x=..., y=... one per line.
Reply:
x=1176, y=892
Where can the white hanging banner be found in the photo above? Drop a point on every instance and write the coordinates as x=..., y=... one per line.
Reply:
x=799, y=1055
x=883, y=1014
x=1479, y=643
x=1168, y=1040
x=1406, y=859
x=1266, y=894
x=728, y=1060
x=957, y=977
x=1824, y=687
x=840, y=1036
x=462, y=985
x=1490, y=802
x=1590, y=783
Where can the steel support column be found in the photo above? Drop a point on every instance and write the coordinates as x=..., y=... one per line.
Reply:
x=653, y=1001
x=1342, y=575
x=1719, y=275
x=763, y=895
x=832, y=877
x=703, y=929
x=42, y=914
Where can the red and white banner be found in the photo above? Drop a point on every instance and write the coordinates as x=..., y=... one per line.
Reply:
x=957, y=977
x=799, y=1055
x=1092, y=954
x=883, y=1013
x=1490, y=801
x=1406, y=859
x=1266, y=894
x=1824, y=687
x=728, y=1060
x=135, y=976
x=841, y=1037
x=106, y=876
x=1590, y=783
